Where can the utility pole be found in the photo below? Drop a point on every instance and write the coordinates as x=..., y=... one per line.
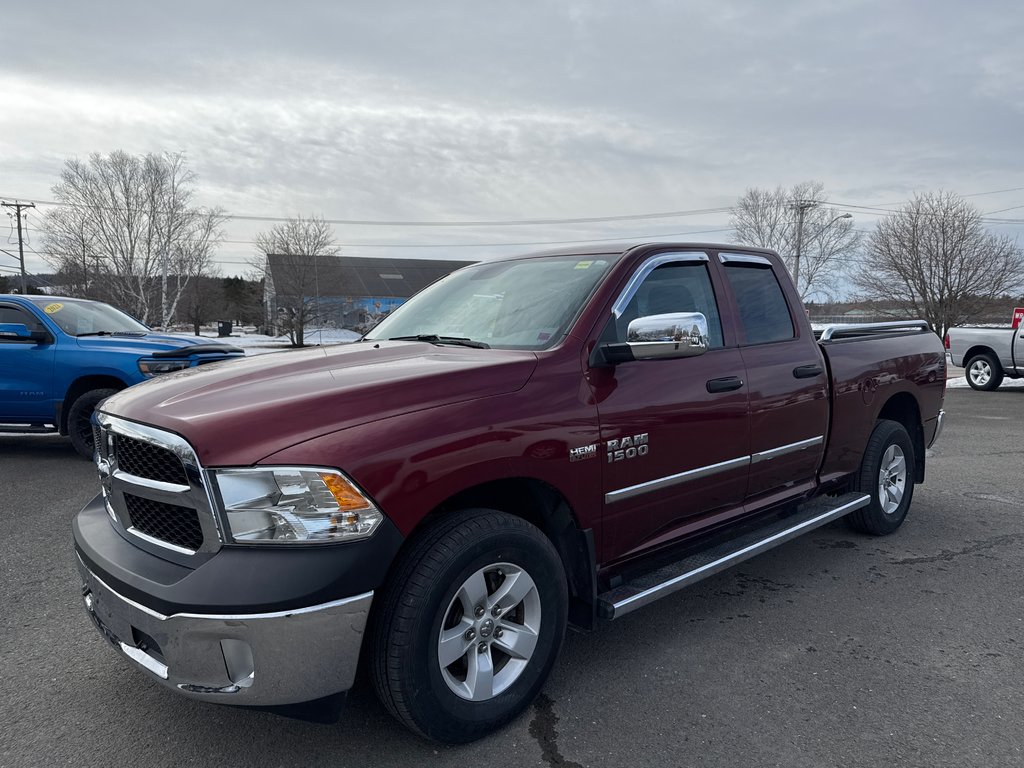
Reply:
x=802, y=206
x=21, y=245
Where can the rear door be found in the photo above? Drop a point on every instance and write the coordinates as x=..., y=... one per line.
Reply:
x=26, y=371
x=674, y=449
x=786, y=379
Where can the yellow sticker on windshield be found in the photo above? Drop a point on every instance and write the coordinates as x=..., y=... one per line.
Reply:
x=53, y=308
x=583, y=264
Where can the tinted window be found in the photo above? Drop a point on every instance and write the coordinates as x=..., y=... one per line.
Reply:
x=16, y=315
x=678, y=287
x=764, y=313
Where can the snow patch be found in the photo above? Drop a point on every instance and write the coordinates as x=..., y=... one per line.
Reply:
x=961, y=381
x=260, y=344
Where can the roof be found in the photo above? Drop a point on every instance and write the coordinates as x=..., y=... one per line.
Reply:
x=358, y=276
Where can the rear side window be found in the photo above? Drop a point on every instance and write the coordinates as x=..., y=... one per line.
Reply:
x=764, y=313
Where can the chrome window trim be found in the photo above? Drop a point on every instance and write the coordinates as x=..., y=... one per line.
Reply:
x=743, y=258
x=782, y=450
x=196, y=495
x=668, y=481
x=649, y=266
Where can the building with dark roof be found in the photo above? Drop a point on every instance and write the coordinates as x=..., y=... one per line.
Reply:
x=344, y=291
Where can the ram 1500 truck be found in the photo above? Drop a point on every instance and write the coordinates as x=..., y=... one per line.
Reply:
x=59, y=357
x=988, y=354
x=530, y=442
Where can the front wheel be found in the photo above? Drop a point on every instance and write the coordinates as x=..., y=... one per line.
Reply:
x=469, y=626
x=80, y=419
x=984, y=372
x=887, y=475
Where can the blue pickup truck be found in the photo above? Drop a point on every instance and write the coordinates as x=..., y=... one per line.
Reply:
x=59, y=357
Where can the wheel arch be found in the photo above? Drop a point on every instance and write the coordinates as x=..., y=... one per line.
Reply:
x=981, y=349
x=78, y=388
x=547, y=508
x=903, y=407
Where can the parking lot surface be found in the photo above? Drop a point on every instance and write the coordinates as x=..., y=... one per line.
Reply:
x=835, y=649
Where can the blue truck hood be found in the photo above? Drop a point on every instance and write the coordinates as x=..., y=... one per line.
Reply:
x=155, y=342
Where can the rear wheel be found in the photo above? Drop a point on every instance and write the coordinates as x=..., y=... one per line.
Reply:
x=887, y=475
x=984, y=372
x=80, y=419
x=470, y=626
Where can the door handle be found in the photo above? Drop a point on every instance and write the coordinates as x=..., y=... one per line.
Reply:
x=726, y=384
x=807, y=371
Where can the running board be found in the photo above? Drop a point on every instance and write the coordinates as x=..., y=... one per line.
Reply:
x=645, y=589
x=9, y=429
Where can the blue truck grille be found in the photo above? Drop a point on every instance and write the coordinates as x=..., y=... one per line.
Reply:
x=149, y=461
x=176, y=525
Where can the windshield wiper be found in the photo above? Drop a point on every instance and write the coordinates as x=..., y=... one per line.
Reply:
x=110, y=333
x=433, y=338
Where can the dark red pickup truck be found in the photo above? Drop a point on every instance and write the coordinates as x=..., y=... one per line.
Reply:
x=560, y=438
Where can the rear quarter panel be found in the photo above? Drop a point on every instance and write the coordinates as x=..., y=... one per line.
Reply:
x=964, y=340
x=866, y=374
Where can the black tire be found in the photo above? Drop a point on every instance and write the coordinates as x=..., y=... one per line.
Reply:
x=418, y=603
x=984, y=372
x=80, y=419
x=884, y=514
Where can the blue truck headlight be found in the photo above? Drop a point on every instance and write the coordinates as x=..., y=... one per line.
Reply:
x=155, y=367
x=294, y=505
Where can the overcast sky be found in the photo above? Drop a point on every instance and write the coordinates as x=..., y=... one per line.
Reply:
x=447, y=111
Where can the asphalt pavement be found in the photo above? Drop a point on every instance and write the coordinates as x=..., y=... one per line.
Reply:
x=836, y=649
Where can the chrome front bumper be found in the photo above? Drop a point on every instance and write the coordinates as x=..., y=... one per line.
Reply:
x=262, y=659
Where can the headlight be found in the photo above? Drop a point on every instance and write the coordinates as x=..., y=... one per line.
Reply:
x=294, y=505
x=153, y=367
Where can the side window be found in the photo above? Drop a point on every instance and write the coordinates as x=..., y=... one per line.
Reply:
x=673, y=287
x=9, y=314
x=764, y=313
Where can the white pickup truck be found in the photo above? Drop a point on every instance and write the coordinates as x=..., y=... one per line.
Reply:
x=988, y=354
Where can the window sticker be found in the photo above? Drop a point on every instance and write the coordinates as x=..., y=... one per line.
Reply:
x=52, y=309
x=583, y=264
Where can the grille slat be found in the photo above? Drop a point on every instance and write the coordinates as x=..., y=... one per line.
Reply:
x=150, y=461
x=168, y=522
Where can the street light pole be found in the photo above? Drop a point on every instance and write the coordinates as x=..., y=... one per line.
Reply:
x=802, y=206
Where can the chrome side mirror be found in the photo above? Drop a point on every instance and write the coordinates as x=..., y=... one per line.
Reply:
x=676, y=334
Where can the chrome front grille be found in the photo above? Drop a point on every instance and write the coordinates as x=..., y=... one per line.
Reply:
x=150, y=461
x=167, y=522
x=154, y=486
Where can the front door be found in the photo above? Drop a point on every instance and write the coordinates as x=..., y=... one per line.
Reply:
x=675, y=436
x=26, y=372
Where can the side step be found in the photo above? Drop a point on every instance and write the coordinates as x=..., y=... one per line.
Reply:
x=33, y=429
x=645, y=589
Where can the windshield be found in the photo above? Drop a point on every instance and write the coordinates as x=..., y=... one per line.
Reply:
x=89, y=318
x=524, y=304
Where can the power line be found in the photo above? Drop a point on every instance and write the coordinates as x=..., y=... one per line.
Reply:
x=476, y=223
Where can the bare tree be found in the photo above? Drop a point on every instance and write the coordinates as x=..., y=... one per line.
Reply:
x=935, y=257
x=127, y=231
x=292, y=255
x=772, y=219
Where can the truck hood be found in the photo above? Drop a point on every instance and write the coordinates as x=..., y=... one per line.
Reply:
x=144, y=345
x=236, y=414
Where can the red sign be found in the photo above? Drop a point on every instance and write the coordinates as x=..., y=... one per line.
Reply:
x=1018, y=317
